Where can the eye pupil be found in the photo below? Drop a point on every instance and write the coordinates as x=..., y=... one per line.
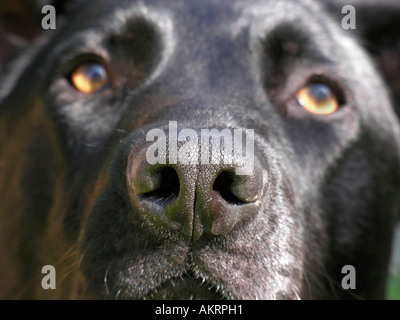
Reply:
x=95, y=72
x=90, y=77
x=320, y=92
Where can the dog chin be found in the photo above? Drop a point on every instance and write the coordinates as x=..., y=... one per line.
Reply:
x=185, y=287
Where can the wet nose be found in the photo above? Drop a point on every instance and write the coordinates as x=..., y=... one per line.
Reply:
x=193, y=199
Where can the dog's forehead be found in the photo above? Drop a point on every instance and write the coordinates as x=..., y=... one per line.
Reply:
x=229, y=26
x=196, y=27
x=203, y=15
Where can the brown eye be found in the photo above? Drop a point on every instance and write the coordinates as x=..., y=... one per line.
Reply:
x=318, y=98
x=90, y=77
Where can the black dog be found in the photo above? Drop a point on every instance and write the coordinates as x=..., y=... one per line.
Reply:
x=77, y=189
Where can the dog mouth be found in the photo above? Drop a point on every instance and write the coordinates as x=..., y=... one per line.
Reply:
x=187, y=287
x=152, y=278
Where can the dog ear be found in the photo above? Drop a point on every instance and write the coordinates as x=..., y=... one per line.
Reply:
x=377, y=25
x=20, y=24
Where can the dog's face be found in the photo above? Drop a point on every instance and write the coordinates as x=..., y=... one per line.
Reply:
x=77, y=189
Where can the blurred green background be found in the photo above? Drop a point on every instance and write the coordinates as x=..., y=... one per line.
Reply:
x=394, y=288
x=393, y=292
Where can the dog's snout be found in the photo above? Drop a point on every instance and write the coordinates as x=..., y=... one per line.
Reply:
x=191, y=199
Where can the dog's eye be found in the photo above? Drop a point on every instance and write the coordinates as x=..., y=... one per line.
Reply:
x=90, y=77
x=318, y=98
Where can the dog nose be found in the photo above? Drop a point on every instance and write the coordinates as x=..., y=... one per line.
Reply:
x=192, y=199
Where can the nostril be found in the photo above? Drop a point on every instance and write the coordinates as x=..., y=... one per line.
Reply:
x=167, y=189
x=223, y=185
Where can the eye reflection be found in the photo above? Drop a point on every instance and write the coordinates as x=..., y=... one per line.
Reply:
x=90, y=77
x=318, y=98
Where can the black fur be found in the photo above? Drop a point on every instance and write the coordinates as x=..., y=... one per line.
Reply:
x=72, y=172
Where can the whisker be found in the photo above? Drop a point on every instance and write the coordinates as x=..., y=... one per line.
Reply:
x=122, y=131
x=106, y=279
